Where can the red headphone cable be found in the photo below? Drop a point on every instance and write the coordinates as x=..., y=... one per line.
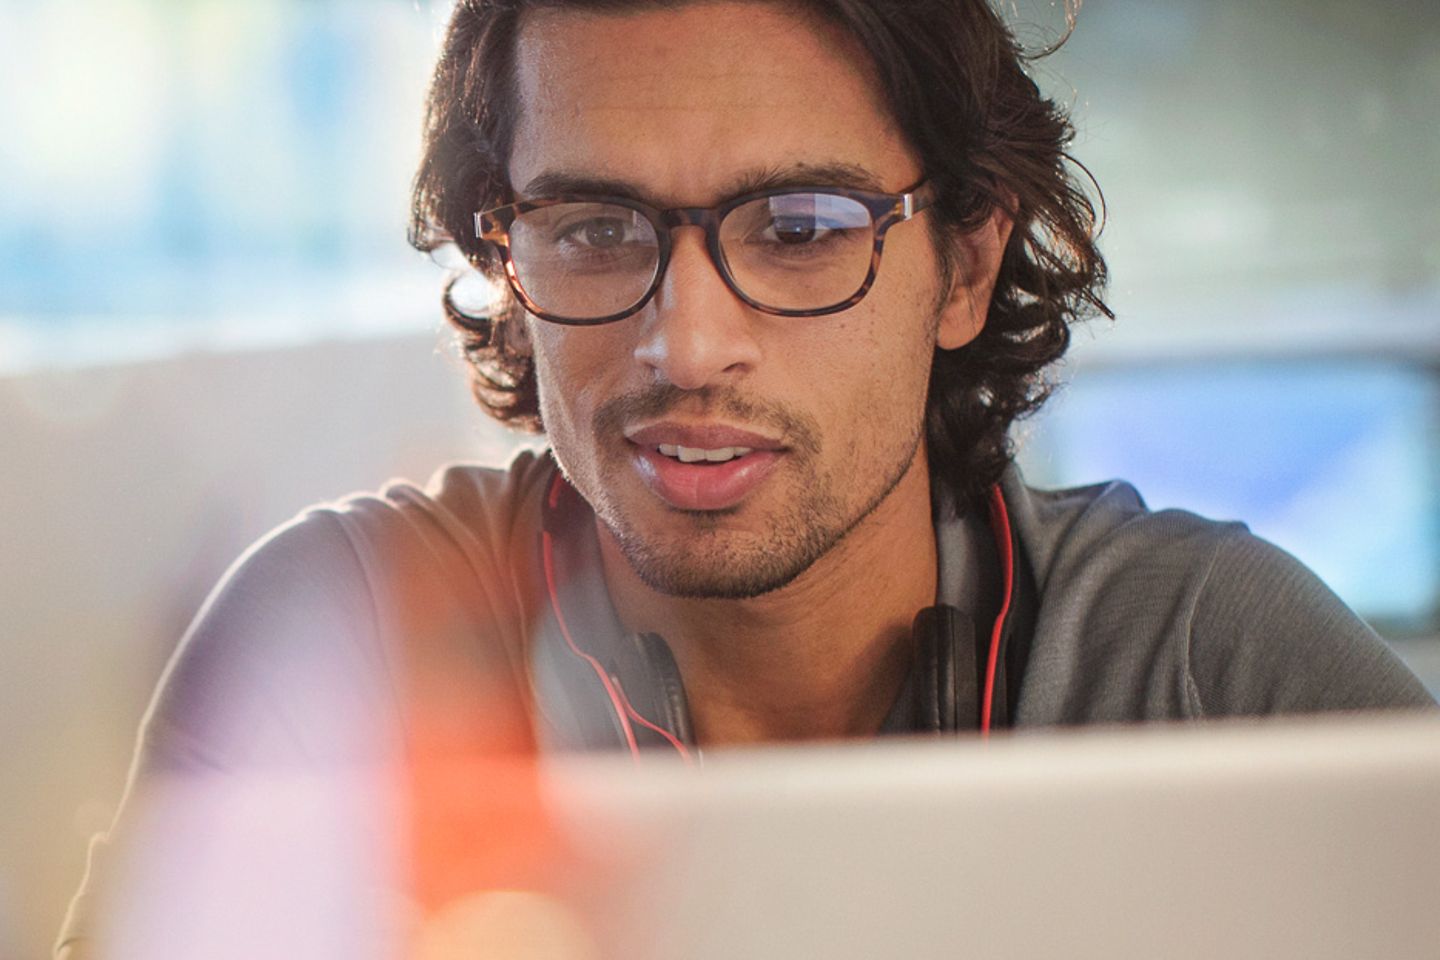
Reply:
x=1000, y=521
x=624, y=711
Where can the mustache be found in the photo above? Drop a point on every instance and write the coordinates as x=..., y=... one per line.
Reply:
x=800, y=432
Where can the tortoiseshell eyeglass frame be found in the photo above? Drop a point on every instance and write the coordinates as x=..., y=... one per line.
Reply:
x=886, y=210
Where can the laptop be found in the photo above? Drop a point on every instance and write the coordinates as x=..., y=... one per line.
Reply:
x=1306, y=839
x=1299, y=838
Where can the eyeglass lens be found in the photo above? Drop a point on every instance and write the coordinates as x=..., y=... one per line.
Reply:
x=793, y=251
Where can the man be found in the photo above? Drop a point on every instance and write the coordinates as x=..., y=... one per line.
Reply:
x=778, y=276
x=785, y=580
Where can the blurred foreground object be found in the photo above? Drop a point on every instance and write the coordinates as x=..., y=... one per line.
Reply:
x=1312, y=839
x=1241, y=838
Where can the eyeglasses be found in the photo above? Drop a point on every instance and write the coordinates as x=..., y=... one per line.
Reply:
x=792, y=252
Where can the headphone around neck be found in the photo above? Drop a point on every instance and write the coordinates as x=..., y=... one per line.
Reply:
x=598, y=687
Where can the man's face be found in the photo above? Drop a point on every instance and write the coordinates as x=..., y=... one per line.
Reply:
x=689, y=107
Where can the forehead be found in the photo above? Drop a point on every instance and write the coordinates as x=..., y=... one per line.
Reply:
x=685, y=102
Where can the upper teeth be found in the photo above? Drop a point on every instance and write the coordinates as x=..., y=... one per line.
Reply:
x=696, y=454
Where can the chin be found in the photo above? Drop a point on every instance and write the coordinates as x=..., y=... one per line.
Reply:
x=697, y=578
x=714, y=564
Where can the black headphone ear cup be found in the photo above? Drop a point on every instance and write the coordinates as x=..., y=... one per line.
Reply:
x=663, y=674
x=946, y=685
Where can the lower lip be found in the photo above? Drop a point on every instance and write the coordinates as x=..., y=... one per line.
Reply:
x=704, y=486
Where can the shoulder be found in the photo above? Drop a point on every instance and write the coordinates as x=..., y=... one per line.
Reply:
x=1153, y=614
x=1268, y=635
x=470, y=524
x=1083, y=539
x=303, y=642
x=352, y=558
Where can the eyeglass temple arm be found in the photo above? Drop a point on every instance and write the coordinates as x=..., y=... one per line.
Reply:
x=917, y=199
x=487, y=229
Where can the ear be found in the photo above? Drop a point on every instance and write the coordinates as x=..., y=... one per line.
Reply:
x=978, y=254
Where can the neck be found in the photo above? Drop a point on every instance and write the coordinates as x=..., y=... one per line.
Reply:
x=822, y=657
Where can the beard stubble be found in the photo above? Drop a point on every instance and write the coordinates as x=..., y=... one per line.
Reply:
x=705, y=560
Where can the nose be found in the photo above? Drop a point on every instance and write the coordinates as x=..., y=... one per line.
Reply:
x=697, y=333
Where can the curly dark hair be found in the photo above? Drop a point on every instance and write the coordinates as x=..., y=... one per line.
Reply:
x=954, y=77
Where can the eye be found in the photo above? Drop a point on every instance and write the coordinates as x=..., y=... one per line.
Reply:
x=796, y=229
x=599, y=232
x=800, y=223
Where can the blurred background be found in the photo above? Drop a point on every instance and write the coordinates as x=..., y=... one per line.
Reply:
x=209, y=318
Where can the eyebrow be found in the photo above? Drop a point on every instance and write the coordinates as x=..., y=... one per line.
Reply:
x=845, y=175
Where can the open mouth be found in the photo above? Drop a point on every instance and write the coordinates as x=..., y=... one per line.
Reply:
x=702, y=455
x=703, y=466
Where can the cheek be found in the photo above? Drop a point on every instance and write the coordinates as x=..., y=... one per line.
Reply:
x=554, y=376
x=875, y=378
x=571, y=365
